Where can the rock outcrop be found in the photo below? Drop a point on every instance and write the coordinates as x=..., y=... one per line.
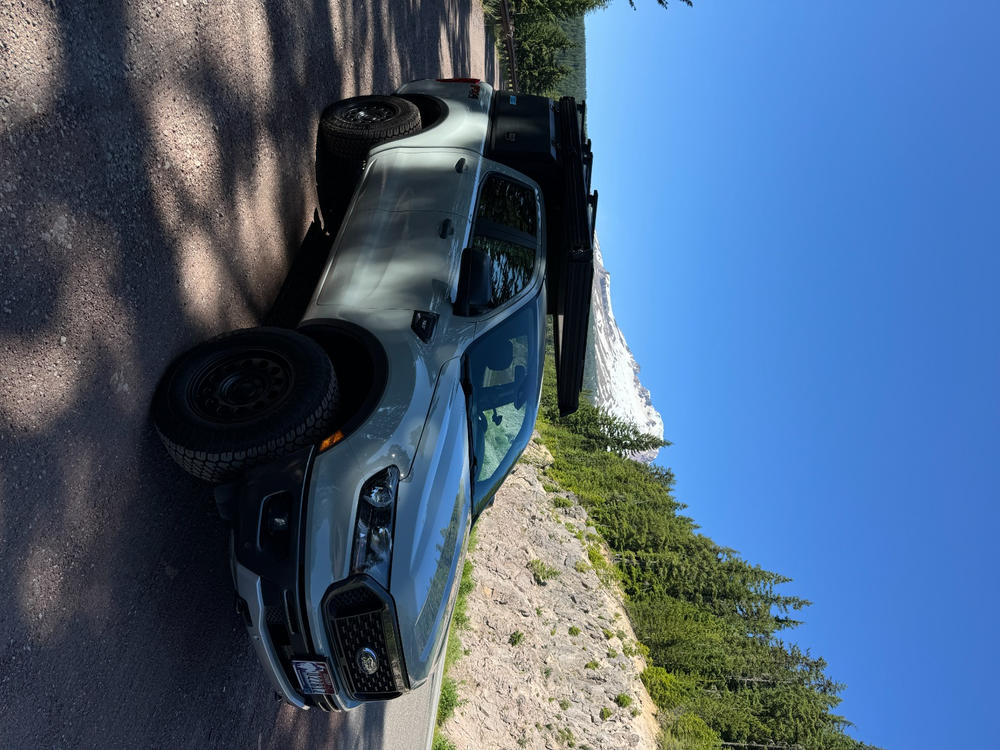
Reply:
x=550, y=655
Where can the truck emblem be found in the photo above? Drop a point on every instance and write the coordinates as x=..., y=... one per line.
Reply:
x=367, y=660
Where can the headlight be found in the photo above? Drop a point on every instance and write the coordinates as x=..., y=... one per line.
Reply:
x=373, y=527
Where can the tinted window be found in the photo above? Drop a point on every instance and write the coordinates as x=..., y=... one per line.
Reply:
x=508, y=203
x=506, y=229
x=513, y=266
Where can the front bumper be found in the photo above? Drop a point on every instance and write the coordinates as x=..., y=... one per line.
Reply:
x=253, y=609
x=267, y=510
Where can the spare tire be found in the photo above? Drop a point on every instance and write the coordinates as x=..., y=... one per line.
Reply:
x=349, y=129
x=244, y=398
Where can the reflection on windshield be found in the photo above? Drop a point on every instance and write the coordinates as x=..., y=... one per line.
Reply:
x=503, y=370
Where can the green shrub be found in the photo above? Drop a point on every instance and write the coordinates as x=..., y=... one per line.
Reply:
x=694, y=733
x=591, y=665
x=608, y=635
x=612, y=653
x=574, y=630
x=605, y=713
x=667, y=690
x=562, y=502
x=515, y=638
x=550, y=487
x=581, y=567
x=449, y=700
x=441, y=742
x=541, y=572
x=564, y=704
x=623, y=700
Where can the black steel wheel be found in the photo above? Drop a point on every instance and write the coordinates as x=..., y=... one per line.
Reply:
x=244, y=398
x=349, y=129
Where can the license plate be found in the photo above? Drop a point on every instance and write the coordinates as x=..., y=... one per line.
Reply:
x=314, y=677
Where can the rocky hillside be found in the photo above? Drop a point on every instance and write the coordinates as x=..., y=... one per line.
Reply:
x=612, y=374
x=550, y=657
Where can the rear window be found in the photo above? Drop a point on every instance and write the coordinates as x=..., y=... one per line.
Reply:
x=507, y=229
x=508, y=204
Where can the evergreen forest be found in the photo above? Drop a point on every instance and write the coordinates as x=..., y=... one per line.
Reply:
x=714, y=626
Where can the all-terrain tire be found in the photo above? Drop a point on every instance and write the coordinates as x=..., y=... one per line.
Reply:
x=244, y=398
x=349, y=129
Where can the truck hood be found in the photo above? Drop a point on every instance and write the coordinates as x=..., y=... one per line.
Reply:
x=433, y=518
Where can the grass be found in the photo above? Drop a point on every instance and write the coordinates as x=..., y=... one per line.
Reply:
x=581, y=567
x=608, y=634
x=450, y=699
x=606, y=572
x=541, y=572
x=460, y=618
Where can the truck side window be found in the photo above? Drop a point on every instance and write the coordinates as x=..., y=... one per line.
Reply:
x=507, y=229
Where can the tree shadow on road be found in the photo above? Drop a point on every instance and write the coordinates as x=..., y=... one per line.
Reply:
x=156, y=174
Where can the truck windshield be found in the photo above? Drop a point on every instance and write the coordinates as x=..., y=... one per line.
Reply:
x=503, y=372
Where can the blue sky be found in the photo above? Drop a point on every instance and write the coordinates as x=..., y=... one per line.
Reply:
x=800, y=210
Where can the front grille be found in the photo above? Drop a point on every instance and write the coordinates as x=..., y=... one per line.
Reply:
x=274, y=615
x=358, y=632
x=362, y=617
x=355, y=601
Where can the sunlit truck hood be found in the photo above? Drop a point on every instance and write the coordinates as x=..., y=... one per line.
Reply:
x=432, y=523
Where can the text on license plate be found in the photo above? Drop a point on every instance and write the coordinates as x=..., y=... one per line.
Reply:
x=314, y=677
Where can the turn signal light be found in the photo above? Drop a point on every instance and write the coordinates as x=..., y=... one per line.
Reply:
x=331, y=441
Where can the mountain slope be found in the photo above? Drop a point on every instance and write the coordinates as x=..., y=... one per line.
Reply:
x=612, y=374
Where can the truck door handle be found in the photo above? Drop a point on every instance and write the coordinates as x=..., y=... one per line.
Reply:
x=447, y=229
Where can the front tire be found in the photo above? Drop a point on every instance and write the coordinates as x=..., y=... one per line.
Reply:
x=244, y=398
x=349, y=129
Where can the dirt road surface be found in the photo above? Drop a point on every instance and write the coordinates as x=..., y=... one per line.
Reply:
x=156, y=173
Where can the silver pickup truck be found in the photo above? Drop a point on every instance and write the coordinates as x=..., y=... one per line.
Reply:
x=355, y=448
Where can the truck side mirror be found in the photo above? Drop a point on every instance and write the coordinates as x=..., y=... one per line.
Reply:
x=475, y=275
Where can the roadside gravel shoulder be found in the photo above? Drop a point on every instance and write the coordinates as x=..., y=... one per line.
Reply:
x=572, y=675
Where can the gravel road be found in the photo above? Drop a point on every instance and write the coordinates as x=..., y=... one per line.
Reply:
x=156, y=172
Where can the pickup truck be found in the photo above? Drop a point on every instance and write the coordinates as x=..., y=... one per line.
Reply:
x=354, y=449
